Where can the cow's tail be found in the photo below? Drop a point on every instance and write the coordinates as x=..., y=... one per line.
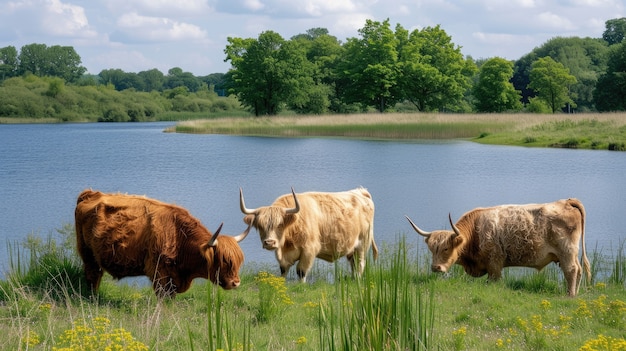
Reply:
x=374, y=250
x=585, y=261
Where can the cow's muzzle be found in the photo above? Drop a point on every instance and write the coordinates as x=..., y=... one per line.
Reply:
x=230, y=284
x=270, y=244
x=438, y=268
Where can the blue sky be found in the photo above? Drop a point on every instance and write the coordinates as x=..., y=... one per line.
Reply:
x=137, y=35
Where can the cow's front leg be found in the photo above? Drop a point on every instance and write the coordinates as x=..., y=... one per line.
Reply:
x=284, y=269
x=494, y=273
x=304, y=266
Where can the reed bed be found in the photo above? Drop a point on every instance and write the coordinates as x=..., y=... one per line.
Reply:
x=585, y=130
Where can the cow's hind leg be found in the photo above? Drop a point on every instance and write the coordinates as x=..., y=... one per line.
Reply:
x=357, y=262
x=573, y=273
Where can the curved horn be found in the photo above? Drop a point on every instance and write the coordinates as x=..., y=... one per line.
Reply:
x=295, y=209
x=419, y=231
x=213, y=240
x=242, y=204
x=243, y=235
x=454, y=227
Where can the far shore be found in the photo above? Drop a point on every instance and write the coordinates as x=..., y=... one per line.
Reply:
x=602, y=131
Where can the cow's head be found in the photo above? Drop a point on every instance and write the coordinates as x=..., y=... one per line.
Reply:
x=445, y=245
x=224, y=257
x=270, y=221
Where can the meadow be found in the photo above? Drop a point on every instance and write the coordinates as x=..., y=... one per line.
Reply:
x=603, y=131
x=398, y=304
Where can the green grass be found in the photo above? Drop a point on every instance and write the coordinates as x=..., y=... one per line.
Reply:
x=397, y=305
x=566, y=133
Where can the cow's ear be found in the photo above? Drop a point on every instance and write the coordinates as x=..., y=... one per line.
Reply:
x=248, y=219
x=288, y=219
x=458, y=240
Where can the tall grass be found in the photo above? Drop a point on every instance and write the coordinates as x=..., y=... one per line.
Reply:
x=397, y=304
x=383, y=310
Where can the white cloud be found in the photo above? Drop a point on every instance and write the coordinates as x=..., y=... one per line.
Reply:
x=63, y=19
x=321, y=7
x=551, y=20
x=158, y=28
x=289, y=8
x=594, y=3
x=157, y=8
x=253, y=5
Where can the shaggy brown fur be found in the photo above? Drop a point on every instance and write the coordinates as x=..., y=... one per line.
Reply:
x=485, y=240
x=327, y=226
x=128, y=235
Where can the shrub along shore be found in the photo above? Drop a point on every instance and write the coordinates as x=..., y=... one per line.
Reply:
x=602, y=131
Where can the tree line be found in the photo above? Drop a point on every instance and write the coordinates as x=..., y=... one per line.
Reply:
x=383, y=69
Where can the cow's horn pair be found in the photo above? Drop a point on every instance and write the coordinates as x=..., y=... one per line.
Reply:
x=238, y=238
x=245, y=210
x=427, y=234
x=417, y=229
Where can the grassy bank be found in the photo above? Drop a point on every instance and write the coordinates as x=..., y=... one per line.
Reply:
x=584, y=131
x=397, y=305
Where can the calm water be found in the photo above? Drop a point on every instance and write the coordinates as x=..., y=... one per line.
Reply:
x=44, y=167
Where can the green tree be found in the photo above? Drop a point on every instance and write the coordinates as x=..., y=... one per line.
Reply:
x=551, y=81
x=584, y=57
x=121, y=80
x=434, y=73
x=269, y=73
x=8, y=62
x=216, y=81
x=615, y=31
x=322, y=51
x=55, y=61
x=610, y=92
x=177, y=77
x=32, y=59
x=64, y=62
x=494, y=91
x=367, y=73
x=153, y=79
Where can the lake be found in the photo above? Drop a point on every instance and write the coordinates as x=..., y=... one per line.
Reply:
x=44, y=167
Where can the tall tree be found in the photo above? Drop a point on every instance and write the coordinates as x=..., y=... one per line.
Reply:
x=322, y=51
x=55, y=61
x=121, y=80
x=551, y=81
x=32, y=59
x=610, y=92
x=434, y=73
x=615, y=31
x=268, y=72
x=584, y=57
x=494, y=91
x=8, y=62
x=153, y=79
x=368, y=72
x=176, y=77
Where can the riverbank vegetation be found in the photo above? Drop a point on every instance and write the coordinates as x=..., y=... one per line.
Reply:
x=602, y=131
x=398, y=304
